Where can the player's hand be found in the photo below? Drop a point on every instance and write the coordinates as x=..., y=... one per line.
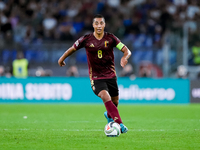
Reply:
x=123, y=62
x=61, y=63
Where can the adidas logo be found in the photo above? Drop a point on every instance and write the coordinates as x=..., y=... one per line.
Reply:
x=115, y=118
x=92, y=45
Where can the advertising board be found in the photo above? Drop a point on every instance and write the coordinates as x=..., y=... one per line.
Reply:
x=78, y=90
x=195, y=91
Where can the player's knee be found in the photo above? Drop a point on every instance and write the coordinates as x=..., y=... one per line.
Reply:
x=104, y=96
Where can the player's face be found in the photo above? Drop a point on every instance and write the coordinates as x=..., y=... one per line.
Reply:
x=99, y=25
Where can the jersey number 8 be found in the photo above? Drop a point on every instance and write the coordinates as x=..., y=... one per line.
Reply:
x=99, y=53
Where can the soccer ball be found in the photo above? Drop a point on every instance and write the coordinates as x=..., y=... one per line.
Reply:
x=112, y=129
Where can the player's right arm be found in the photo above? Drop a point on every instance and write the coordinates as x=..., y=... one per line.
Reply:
x=77, y=45
x=67, y=53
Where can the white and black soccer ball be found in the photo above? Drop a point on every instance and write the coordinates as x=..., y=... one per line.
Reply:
x=112, y=129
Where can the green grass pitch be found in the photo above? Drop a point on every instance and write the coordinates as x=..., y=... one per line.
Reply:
x=80, y=126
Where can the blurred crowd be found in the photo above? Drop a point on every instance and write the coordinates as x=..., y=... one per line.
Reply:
x=141, y=21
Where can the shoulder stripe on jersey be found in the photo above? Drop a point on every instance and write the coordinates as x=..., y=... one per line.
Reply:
x=120, y=46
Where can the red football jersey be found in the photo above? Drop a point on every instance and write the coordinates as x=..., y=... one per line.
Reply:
x=100, y=56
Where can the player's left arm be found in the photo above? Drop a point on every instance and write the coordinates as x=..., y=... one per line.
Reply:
x=127, y=54
x=124, y=49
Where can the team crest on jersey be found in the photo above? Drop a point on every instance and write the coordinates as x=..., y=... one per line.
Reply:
x=91, y=45
x=106, y=43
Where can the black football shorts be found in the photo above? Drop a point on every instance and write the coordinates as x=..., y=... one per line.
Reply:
x=109, y=85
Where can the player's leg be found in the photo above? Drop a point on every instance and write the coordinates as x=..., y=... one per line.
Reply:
x=97, y=86
x=114, y=93
x=110, y=107
x=115, y=100
x=100, y=88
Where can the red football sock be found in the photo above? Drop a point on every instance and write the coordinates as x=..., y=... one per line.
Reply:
x=113, y=111
x=109, y=114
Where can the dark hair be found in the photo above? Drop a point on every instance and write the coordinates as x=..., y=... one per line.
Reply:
x=98, y=16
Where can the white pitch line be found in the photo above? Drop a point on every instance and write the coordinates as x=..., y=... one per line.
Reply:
x=86, y=121
x=135, y=130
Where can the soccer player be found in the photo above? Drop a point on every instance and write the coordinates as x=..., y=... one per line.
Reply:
x=99, y=49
